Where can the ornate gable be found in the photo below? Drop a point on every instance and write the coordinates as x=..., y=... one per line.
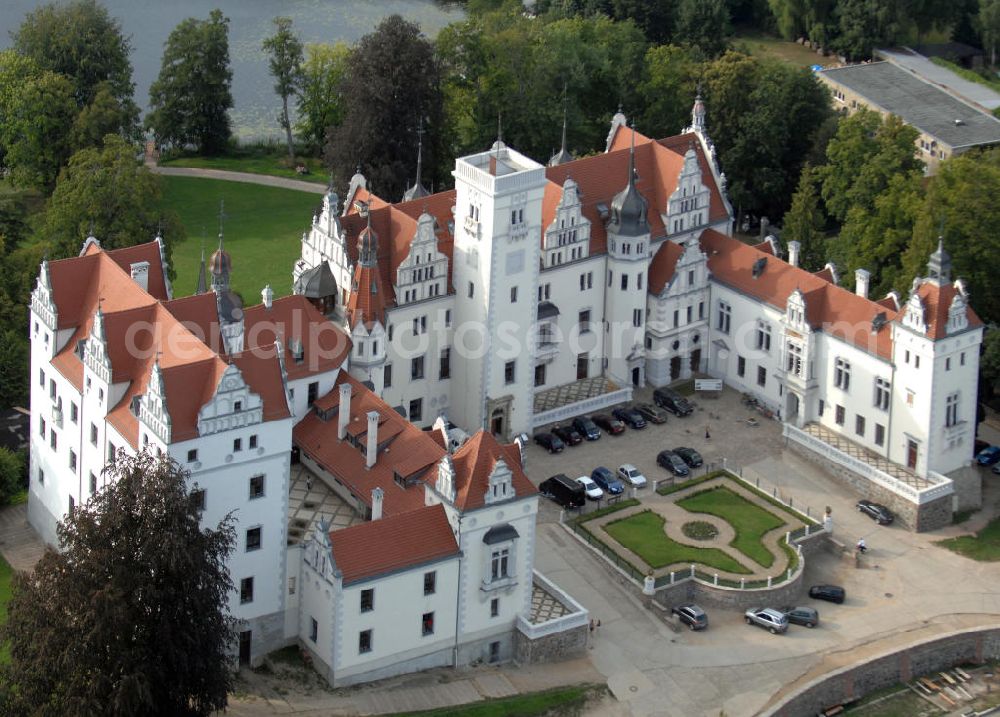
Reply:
x=501, y=486
x=795, y=311
x=915, y=313
x=234, y=405
x=42, y=302
x=153, y=406
x=423, y=273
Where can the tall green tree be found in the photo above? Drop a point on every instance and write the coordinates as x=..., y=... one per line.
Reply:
x=961, y=207
x=131, y=617
x=12, y=470
x=15, y=71
x=284, y=61
x=80, y=40
x=805, y=222
x=191, y=98
x=36, y=132
x=867, y=24
x=668, y=89
x=103, y=116
x=392, y=84
x=106, y=191
x=320, y=106
x=704, y=25
x=988, y=23
x=655, y=18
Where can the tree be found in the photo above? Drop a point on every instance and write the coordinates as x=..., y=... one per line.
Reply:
x=80, y=40
x=12, y=472
x=988, y=23
x=805, y=222
x=191, y=98
x=36, y=131
x=961, y=207
x=285, y=65
x=989, y=366
x=668, y=90
x=705, y=25
x=15, y=71
x=392, y=83
x=654, y=17
x=131, y=617
x=103, y=116
x=867, y=24
x=320, y=106
x=105, y=191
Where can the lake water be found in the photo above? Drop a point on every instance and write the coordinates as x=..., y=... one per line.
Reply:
x=256, y=106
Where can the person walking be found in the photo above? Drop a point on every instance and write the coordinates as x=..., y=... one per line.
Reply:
x=862, y=546
x=708, y=436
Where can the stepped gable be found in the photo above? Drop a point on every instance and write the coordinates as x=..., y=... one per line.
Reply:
x=404, y=450
x=138, y=330
x=663, y=265
x=829, y=307
x=474, y=462
x=937, y=301
x=390, y=544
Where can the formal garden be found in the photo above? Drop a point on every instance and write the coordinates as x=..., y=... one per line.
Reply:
x=716, y=525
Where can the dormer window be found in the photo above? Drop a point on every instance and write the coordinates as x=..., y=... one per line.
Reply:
x=500, y=485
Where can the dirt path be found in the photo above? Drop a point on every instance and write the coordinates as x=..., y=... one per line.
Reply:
x=246, y=177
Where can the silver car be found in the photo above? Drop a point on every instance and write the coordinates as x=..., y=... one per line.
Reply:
x=631, y=475
x=768, y=618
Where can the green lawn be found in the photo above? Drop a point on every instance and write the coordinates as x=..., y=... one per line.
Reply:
x=768, y=47
x=984, y=545
x=275, y=165
x=643, y=534
x=263, y=230
x=750, y=521
x=6, y=573
x=562, y=700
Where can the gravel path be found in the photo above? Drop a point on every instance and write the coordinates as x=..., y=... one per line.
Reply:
x=247, y=177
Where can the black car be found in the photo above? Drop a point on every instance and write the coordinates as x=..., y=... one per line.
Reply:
x=692, y=616
x=673, y=463
x=586, y=428
x=651, y=413
x=876, y=511
x=689, y=456
x=672, y=401
x=551, y=443
x=630, y=416
x=807, y=616
x=830, y=593
x=609, y=424
x=569, y=435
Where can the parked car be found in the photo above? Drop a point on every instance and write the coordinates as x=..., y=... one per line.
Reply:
x=590, y=488
x=586, y=428
x=673, y=463
x=606, y=480
x=672, y=401
x=807, y=616
x=629, y=416
x=830, y=593
x=996, y=469
x=978, y=445
x=988, y=456
x=569, y=435
x=651, y=413
x=550, y=442
x=768, y=618
x=630, y=475
x=692, y=616
x=689, y=456
x=609, y=424
x=876, y=511
x=563, y=490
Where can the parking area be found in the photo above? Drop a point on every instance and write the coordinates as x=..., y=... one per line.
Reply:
x=724, y=415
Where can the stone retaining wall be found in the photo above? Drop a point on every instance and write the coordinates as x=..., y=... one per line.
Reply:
x=852, y=683
x=929, y=516
x=557, y=646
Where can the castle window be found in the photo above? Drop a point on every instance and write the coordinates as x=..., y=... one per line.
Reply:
x=364, y=641
x=416, y=411
x=246, y=590
x=445, y=368
x=417, y=368
x=951, y=411
x=624, y=282
x=509, y=372
x=859, y=425
x=794, y=366
x=725, y=317
x=499, y=564
x=313, y=393
x=192, y=454
x=368, y=600
x=427, y=623
x=256, y=487
x=93, y=483
x=238, y=406
x=237, y=445
x=253, y=539
x=313, y=629
x=842, y=374
x=761, y=376
x=430, y=582
x=763, y=336
x=494, y=607
x=879, y=434
x=387, y=376
x=882, y=393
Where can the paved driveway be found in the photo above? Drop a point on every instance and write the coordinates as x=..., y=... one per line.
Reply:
x=907, y=583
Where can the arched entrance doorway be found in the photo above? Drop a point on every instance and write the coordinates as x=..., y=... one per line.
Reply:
x=497, y=422
x=636, y=377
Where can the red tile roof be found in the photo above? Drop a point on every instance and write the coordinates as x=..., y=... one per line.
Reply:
x=474, y=462
x=829, y=307
x=826, y=274
x=150, y=251
x=937, y=301
x=139, y=329
x=404, y=449
x=661, y=268
x=379, y=547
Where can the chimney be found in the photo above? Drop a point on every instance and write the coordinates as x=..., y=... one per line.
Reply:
x=861, y=280
x=344, y=410
x=377, y=494
x=140, y=274
x=793, y=252
x=267, y=295
x=372, y=434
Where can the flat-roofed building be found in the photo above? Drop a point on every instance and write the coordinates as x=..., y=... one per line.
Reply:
x=947, y=125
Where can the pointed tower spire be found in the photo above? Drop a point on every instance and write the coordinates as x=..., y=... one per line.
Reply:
x=939, y=265
x=417, y=190
x=202, y=281
x=563, y=155
x=629, y=207
x=368, y=245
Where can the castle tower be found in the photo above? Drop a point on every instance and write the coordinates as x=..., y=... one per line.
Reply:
x=628, y=264
x=498, y=216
